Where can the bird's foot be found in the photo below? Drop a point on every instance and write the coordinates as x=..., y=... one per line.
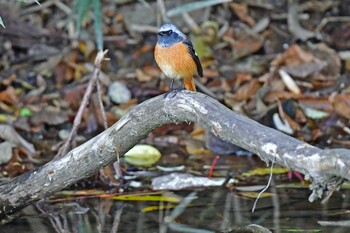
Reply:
x=172, y=93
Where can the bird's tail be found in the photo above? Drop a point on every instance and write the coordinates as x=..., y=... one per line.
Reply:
x=189, y=84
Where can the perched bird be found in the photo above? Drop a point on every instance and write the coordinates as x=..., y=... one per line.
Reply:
x=176, y=57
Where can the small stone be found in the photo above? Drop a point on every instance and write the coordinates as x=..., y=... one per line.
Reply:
x=119, y=93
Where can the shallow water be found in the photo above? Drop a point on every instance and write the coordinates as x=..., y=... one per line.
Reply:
x=287, y=210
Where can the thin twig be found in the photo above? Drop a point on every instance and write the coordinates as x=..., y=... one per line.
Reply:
x=77, y=120
x=162, y=10
x=332, y=19
x=267, y=186
x=100, y=104
x=191, y=23
x=63, y=7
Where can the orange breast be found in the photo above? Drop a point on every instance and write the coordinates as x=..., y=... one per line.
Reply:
x=175, y=61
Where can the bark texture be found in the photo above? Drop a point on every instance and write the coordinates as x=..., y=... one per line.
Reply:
x=325, y=168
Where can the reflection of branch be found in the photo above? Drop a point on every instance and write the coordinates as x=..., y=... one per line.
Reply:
x=324, y=167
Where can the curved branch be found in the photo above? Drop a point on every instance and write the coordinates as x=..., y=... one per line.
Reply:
x=326, y=168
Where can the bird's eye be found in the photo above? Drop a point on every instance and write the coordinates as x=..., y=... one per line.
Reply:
x=165, y=33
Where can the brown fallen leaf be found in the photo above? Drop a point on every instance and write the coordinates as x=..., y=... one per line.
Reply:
x=241, y=78
x=61, y=71
x=305, y=70
x=49, y=115
x=9, y=96
x=330, y=58
x=143, y=76
x=319, y=81
x=73, y=95
x=272, y=96
x=241, y=10
x=319, y=103
x=243, y=41
x=247, y=90
x=293, y=56
x=341, y=104
x=143, y=50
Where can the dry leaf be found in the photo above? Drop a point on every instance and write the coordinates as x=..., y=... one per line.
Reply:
x=6, y=151
x=50, y=115
x=248, y=90
x=241, y=10
x=289, y=82
x=341, y=104
x=293, y=56
x=9, y=95
x=304, y=70
x=272, y=96
x=282, y=125
x=243, y=41
x=319, y=103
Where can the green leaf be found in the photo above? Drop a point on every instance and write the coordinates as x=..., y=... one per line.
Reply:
x=25, y=112
x=142, y=155
x=2, y=23
x=81, y=8
x=98, y=24
x=201, y=47
x=194, y=6
x=37, y=2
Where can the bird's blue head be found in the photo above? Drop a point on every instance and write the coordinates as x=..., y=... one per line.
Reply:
x=168, y=35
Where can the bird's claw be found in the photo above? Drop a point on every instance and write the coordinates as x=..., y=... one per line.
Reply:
x=172, y=92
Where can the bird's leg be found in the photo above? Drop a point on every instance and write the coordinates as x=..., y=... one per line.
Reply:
x=171, y=85
x=171, y=88
x=182, y=85
x=180, y=88
x=175, y=90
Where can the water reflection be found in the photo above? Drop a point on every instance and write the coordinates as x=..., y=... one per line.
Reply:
x=209, y=210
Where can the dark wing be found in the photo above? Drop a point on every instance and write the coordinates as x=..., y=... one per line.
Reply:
x=194, y=56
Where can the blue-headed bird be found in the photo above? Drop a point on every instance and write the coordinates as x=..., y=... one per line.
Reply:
x=176, y=57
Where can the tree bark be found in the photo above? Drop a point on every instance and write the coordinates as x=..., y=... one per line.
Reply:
x=325, y=168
